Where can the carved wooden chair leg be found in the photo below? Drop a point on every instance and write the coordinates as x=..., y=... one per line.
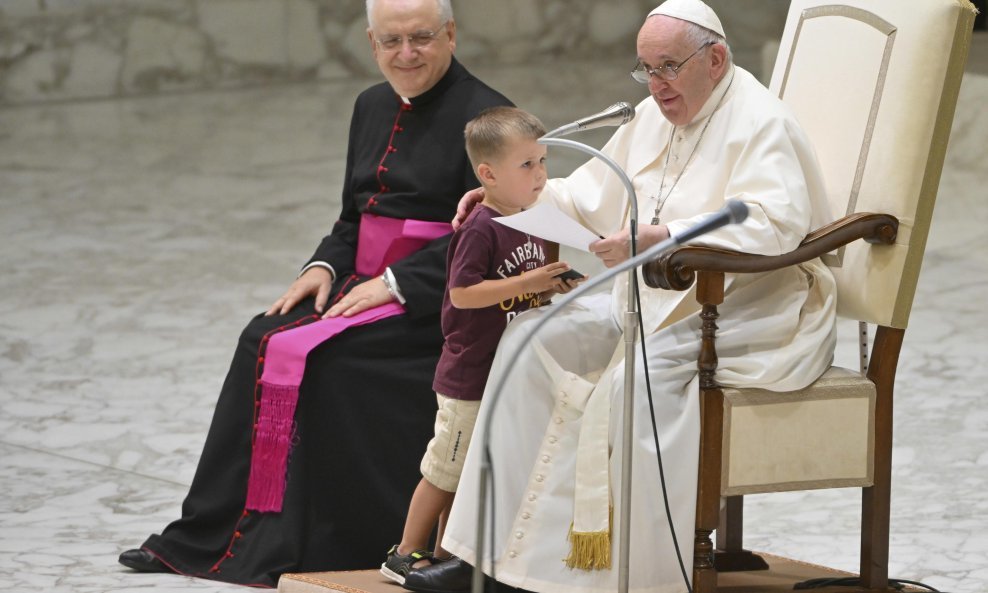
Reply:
x=710, y=293
x=731, y=555
x=876, y=500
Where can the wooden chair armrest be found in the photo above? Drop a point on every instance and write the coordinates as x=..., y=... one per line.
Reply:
x=677, y=268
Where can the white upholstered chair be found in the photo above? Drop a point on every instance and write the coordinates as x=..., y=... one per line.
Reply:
x=874, y=83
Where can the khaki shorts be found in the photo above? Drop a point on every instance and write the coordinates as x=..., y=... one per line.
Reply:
x=443, y=461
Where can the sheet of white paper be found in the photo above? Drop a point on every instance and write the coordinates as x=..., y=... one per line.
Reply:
x=546, y=221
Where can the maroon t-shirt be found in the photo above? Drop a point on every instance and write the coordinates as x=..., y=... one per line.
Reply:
x=481, y=249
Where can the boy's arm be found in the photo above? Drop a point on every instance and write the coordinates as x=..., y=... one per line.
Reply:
x=491, y=292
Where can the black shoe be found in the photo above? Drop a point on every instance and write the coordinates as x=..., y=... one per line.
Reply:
x=142, y=561
x=451, y=576
x=397, y=566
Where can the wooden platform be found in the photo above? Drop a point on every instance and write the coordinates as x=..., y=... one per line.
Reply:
x=780, y=576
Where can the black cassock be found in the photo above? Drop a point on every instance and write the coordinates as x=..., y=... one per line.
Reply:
x=366, y=408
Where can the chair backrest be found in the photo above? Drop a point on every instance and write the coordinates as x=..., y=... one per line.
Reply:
x=875, y=83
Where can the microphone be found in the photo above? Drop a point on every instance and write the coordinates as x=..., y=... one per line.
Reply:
x=617, y=114
x=734, y=211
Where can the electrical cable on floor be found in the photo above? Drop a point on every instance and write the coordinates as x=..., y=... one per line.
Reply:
x=897, y=584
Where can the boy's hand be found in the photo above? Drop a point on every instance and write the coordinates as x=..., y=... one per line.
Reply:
x=569, y=283
x=544, y=279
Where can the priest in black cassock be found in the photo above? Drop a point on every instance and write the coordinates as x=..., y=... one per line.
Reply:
x=314, y=448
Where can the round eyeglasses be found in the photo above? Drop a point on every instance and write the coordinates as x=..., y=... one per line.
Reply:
x=667, y=71
x=418, y=39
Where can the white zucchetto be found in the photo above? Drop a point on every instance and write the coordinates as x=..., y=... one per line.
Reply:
x=693, y=11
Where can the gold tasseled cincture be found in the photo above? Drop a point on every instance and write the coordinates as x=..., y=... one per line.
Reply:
x=591, y=550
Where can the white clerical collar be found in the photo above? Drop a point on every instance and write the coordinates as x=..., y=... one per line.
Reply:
x=714, y=100
x=405, y=100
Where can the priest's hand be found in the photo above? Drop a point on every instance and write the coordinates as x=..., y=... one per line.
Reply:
x=616, y=248
x=315, y=281
x=368, y=295
x=467, y=202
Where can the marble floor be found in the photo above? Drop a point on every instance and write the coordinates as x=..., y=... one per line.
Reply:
x=138, y=235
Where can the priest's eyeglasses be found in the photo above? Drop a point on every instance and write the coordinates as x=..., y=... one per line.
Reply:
x=668, y=71
x=418, y=39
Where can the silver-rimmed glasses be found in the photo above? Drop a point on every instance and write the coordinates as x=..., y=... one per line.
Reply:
x=418, y=39
x=667, y=71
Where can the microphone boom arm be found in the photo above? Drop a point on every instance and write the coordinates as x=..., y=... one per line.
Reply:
x=617, y=114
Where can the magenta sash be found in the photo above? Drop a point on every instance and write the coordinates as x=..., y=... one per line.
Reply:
x=382, y=241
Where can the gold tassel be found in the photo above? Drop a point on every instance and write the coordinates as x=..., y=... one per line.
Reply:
x=590, y=550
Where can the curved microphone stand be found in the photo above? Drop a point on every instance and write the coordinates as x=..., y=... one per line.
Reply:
x=630, y=334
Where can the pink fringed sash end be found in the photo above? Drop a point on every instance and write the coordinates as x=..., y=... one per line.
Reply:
x=272, y=441
x=382, y=241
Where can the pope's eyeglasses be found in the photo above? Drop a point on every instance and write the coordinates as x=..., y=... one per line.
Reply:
x=668, y=71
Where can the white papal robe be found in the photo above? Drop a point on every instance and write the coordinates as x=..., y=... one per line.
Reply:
x=777, y=331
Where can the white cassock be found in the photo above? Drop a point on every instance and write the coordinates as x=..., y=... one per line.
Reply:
x=777, y=331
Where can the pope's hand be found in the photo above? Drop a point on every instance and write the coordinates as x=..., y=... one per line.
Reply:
x=467, y=202
x=617, y=248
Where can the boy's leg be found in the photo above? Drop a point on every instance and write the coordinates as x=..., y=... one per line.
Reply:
x=429, y=506
x=433, y=497
x=428, y=503
x=443, y=462
x=441, y=553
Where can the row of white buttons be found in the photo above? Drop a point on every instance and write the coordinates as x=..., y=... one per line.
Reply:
x=535, y=484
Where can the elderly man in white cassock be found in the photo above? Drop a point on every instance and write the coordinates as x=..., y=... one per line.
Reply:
x=708, y=133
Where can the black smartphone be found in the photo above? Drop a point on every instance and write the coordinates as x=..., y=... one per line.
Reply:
x=570, y=274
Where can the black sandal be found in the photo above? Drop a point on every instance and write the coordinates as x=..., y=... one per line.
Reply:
x=397, y=566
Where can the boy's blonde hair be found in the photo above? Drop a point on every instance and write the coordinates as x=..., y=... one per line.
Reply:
x=487, y=134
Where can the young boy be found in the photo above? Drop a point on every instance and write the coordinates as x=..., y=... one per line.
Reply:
x=493, y=273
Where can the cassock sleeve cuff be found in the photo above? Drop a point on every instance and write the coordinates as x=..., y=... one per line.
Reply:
x=392, y=284
x=318, y=264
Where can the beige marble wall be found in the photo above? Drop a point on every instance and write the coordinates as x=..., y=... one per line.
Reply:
x=78, y=49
